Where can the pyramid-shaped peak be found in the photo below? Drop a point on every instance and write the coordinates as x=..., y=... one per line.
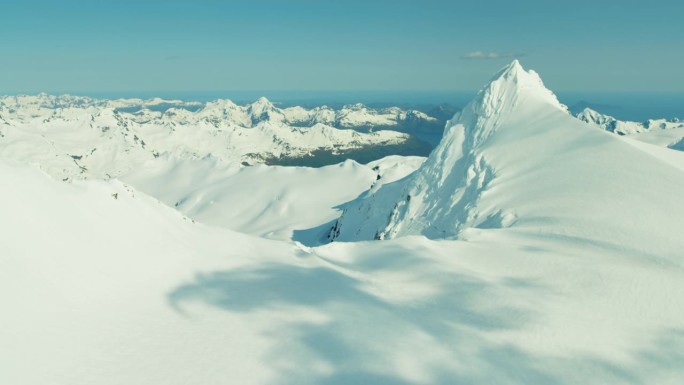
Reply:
x=263, y=101
x=261, y=106
x=513, y=67
x=515, y=73
x=512, y=158
x=507, y=85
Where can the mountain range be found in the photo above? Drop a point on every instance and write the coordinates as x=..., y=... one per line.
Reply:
x=529, y=247
x=662, y=132
x=72, y=136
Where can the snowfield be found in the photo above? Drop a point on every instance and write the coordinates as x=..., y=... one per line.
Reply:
x=534, y=249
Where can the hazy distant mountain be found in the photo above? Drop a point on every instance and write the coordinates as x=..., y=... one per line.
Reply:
x=578, y=107
x=79, y=136
x=620, y=127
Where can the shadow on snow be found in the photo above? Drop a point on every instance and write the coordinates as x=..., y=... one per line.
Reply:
x=446, y=337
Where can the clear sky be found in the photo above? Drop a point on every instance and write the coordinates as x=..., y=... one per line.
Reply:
x=199, y=45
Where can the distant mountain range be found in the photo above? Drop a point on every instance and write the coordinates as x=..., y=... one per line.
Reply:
x=621, y=127
x=72, y=136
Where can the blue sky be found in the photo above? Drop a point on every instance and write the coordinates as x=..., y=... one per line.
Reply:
x=162, y=46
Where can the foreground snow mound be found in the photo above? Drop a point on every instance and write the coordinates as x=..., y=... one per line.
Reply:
x=100, y=284
x=515, y=157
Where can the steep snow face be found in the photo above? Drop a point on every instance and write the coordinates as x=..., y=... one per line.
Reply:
x=74, y=137
x=438, y=200
x=515, y=157
x=661, y=132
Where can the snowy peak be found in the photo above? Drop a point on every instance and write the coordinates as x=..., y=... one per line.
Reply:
x=505, y=89
x=261, y=105
x=517, y=78
x=511, y=88
x=512, y=158
x=263, y=110
x=441, y=198
x=511, y=71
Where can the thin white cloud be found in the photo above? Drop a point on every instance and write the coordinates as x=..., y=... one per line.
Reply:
x=482, y=55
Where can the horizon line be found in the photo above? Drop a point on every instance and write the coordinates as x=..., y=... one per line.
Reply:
x=401, y=91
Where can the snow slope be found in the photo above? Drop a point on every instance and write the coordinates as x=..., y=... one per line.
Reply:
x=85, y=272
x=103, y=290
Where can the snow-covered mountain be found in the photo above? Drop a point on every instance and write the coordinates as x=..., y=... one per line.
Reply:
x=566, y=268
x=71, y=136
x=663, y=132
x=514, y=157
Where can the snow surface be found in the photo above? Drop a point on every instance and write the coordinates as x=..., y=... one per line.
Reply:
x=100, y=283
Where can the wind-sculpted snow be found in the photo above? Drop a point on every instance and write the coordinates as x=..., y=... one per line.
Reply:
x=70, y=136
